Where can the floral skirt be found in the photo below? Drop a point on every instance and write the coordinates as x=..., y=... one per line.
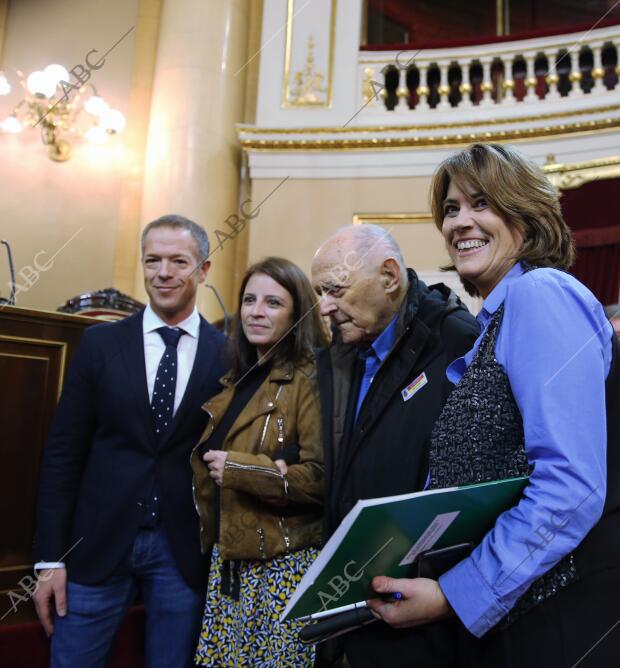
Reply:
x=248, y=631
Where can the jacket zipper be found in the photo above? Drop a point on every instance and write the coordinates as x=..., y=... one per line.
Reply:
x=259, y=469
x=200, y=530
x=261, y=541
x=264, y=432
x=253, y=467
x=285, y=535
x=280, y=424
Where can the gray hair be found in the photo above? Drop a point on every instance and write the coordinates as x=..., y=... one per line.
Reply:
x=368, y=240
x=199, y=234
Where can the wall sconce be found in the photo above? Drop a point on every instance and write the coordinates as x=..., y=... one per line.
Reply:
x=62, y=117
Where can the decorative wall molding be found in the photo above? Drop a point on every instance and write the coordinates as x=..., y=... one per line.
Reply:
x=391, y=218
x=413, y=140
x=418, y=161
x=334, y=128
x=309, y=54
x=286, y=29
x=569, y=176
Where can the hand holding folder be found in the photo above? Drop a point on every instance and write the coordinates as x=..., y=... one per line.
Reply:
x=423, y=533
x=430, y=565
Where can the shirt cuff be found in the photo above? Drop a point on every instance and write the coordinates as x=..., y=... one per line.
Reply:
x=42, y=565
x=471, y=597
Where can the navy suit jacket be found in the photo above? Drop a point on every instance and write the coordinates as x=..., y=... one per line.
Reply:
x=102, y=458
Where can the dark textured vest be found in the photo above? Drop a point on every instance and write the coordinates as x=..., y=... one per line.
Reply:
x=479, y=438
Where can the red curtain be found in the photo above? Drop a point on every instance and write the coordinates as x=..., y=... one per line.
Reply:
x=592, y=213
x=430, y=23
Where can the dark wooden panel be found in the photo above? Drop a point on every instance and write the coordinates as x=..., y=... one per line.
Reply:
x=35, y=349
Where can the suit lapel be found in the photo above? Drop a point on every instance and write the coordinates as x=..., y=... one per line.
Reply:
x=132, y=351
x=343, y=364
x=326, y=398
x=194, y=394
x=386, y=386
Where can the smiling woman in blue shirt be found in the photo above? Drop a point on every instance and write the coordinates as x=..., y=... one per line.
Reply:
x=538, y=395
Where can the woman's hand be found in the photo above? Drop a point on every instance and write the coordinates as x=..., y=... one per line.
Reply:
x=215, y=460
x=282, y=467
x=422, y=602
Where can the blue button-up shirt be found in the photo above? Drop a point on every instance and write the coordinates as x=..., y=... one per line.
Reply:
x=373, y=358
x=555, y=346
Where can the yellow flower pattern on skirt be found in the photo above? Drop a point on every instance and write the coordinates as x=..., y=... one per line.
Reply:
x=248, y=632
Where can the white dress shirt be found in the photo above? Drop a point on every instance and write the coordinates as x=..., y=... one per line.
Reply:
x=154, y=347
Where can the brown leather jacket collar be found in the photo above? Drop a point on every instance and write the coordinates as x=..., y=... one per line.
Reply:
x=279, y=373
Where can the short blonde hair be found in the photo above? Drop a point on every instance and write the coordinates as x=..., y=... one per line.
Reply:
x=517, y=190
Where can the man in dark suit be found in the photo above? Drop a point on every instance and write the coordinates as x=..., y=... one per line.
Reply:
x=382, y=384
x=115, y=510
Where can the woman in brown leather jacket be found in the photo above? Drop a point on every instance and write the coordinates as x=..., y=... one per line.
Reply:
x=258, y=473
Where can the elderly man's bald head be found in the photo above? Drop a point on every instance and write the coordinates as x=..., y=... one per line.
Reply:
x=359, y=246
x=361, y=277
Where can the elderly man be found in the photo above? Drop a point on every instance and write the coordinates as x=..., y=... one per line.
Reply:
x=382, y=385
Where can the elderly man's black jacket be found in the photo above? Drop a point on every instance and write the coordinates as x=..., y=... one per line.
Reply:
x=386, y=451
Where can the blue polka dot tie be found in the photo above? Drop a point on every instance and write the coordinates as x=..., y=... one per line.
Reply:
x=162, y=403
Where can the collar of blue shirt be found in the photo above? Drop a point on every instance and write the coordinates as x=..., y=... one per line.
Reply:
x=493, y=301
x=496, y=297
x=384, y=342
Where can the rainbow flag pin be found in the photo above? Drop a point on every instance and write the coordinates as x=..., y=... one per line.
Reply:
x=413, y=387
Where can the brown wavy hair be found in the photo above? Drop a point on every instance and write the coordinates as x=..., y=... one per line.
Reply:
x=307, y=333
x=516, y=190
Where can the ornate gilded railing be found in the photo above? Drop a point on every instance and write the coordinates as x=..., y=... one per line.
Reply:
x=561, y=92
x=522, y=75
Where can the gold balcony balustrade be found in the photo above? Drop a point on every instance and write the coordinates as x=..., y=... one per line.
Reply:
x=521, y=73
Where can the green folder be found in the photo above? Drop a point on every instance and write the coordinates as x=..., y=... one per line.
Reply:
x=384, y=536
